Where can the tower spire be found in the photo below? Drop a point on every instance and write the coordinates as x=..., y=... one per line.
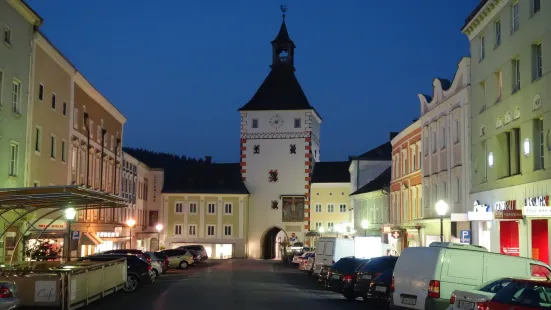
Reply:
x=283, y=9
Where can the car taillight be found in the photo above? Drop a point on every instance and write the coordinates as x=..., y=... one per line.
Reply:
x=483, y=305
x=392, y=285
x=452, y=299
x=371, y=284
x=5, y=292
x=377, y=274
x=149, y=267
x=347, y=278
x=149, y=260
x=434, y=289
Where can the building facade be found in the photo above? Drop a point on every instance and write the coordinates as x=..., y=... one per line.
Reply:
x=280, y=141
x=444, y=121
x=406, y=193
x=330, y=198
x=510, y=126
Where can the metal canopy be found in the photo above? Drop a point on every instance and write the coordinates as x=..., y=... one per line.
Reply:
x=58, y=196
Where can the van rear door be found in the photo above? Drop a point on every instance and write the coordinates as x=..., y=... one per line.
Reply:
x=318, y=260
x=461, y=270
x=328, y=253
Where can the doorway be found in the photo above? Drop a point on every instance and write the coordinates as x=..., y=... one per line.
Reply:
x=270, y=243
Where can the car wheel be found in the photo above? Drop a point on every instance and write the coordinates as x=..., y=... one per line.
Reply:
x=132, y=283
x=155, y=274
x=183, y=264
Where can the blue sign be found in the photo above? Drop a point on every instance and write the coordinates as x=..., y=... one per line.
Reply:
x=75, y=235
x=465, y=236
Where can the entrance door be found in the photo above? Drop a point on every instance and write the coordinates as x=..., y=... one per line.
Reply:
x=508, y=238
x=540, y=240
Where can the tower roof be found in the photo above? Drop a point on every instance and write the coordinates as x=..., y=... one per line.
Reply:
x=283, y=35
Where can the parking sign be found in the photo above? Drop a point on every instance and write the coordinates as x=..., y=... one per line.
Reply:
x=465, y=236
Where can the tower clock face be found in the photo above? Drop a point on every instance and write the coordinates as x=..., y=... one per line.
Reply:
x=276, y=121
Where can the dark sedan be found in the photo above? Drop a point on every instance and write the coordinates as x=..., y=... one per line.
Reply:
x=379, y=289
x=342, y=276
x=374, y=268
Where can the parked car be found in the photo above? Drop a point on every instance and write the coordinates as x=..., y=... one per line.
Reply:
x=9, y=295
x=343, y=276
x=379, y=289
x=304, y=265
x=374, y=268
x=308, y=264
x=138, y=271
x=199, y=248
x=330, y=250
x=297, y=259
x=156, y=263
x=521, y=295
x=196, y=256
x=425, y=277
x=179, y=258
x=128, y=251
x=163, y=256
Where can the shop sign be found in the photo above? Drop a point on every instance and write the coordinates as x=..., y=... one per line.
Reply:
x=481, y=212
x=55, y=225
x=541, y=201
x=537, y=211
x=396, y=234
x=107, y=234
x=513, y=251
x=508, y=215
x=505, y=205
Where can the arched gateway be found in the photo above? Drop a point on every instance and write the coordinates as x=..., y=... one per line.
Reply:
x=270, y=242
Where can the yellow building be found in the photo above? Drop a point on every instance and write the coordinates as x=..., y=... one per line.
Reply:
x=208, y=206
x=330, y=198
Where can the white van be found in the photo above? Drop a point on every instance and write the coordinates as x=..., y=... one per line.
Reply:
x=330, y=249
x=425, y=277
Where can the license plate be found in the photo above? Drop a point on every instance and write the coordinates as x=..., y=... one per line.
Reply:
x=409, y=301
x=336, y=276
x=367, y=277
x=465, y=305
x=380, y=289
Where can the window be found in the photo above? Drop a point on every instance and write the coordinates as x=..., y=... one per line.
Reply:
x=37, y=139
x=192, y=230
x=40, y=92
x=413, y=159
x=318, y=226
x=14, y=156
x=63, y=151
x=482, y=48
x=211, y=208
x=537, y=70
x=433, y=142
x=516, y=74
x=457, y=190
x=536, y=6
x=53, y=146
x=210, y=230
x=509, y=142
x=177, y=229
x=443, y=137
x=53, y=101
x=16, y=96
x=342, y=208
x=227, y=230
x=514, y=14
x=404, y=162
x=419, y=157
x=499, y=84
x=330, y=208
x=318, y=208
x=540, y=134
x=179, y=207
x=228, y=208
x=7, y=35
x=255, y=123
x=75, y=118
x=330, y=226
x=64, y=108
x=74, y=158
x=457, y=131
x=426, y=144
x=497, y=30
x=297, y=123
x=192, y=207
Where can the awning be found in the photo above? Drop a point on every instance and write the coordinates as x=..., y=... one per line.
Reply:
x=90, y=239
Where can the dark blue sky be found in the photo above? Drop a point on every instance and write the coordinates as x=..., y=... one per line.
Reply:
x=179, y=71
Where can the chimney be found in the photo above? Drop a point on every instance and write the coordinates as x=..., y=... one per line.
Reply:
x=208, y=159
x=393, y=134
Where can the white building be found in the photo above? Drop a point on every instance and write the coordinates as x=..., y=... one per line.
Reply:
x=280, y=141
x=445, y=118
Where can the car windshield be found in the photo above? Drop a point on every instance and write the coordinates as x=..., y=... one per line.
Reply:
x=526, y=294
x=348, y=264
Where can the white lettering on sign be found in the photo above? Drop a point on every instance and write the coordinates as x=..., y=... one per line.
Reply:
x=481, y=208
x=107, y=234
x=541, y=201
x=505, y=205
x=536, y=211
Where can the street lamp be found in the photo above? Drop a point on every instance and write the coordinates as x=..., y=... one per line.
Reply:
x=70, y=214
x=130, y=223
x=321, y=230
x=159, y=227
x=441, y=210
x=365, y=226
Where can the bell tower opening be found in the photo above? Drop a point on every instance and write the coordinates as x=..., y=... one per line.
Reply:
x=283, y=47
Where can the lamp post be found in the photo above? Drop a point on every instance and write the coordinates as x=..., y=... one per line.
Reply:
x=441, y=210
x=70, y=214
x=159, y=227
x=131, y=223
x=365, y=226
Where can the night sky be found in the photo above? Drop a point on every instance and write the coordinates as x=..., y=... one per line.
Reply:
x=179, y=71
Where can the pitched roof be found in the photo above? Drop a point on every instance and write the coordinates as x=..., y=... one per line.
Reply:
x=381, y=152
x=380, y=182
x=331, y=172
x=206, y=179
x=279, y=91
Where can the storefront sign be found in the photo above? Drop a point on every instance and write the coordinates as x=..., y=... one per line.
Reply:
x=541, y=201
x=508, y=215
x=55, y=225
x=481, y=212
x=107, y=234
x=537, y=211
x=505, y=205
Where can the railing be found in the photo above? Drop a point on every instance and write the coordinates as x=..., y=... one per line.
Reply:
x=68, y=285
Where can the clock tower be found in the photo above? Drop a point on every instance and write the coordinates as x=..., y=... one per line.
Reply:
x=280, y=143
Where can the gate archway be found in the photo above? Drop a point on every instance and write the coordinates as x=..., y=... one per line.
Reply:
x=270, y=243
